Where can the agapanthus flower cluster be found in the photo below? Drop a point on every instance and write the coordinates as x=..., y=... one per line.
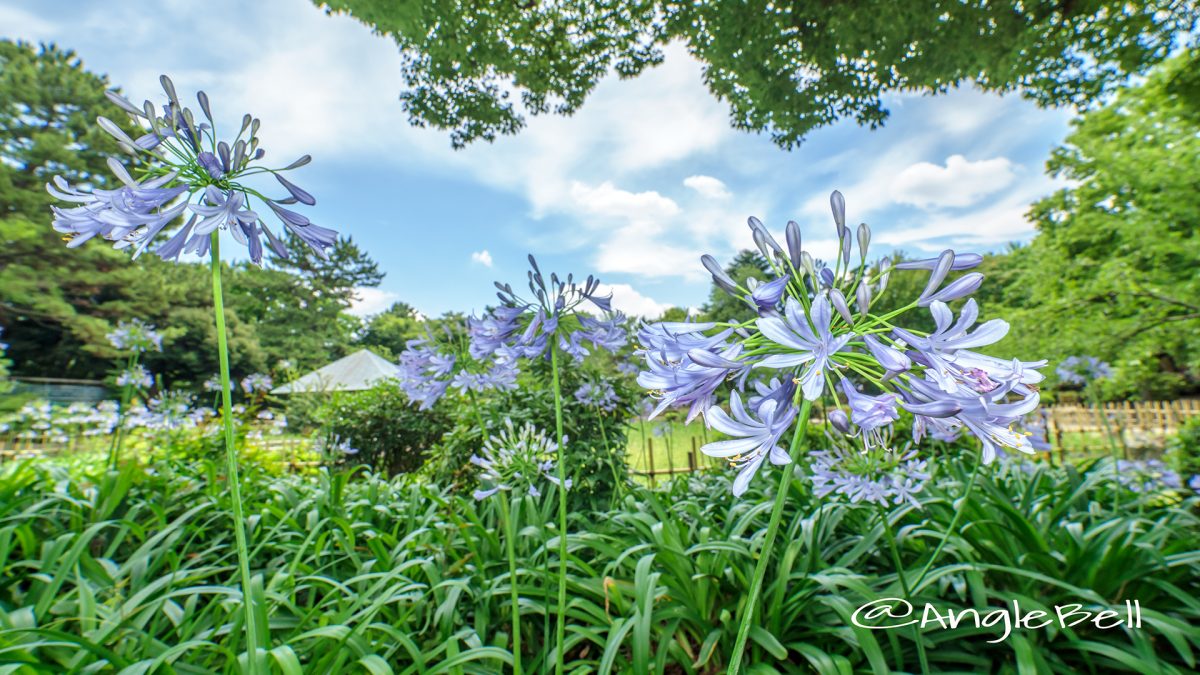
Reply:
x=879, y=475
x=335, y=446
x=136, y=376
x=441, y=361
x=526, y=328
x=257, y=383
x=599, y=395
x=819, y=335
x=136, y=337
x=272, y=424
x=183, y=173
x=1146, y=476
x=41, y=420
x=168, y=411
x=1081, y=370
x=516, y=459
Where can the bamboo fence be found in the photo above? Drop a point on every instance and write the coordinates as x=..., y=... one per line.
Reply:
x=1127, y=419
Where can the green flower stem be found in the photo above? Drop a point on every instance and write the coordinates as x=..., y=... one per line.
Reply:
x=231, y=460
x=618, y=488
x=891, y=537
x=510, y=536
x=1112, y=444
x=958, y=513
x=764, y=555
x=114, y=450
x=561, y=625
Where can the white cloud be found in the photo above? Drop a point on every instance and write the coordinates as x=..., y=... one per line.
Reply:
x=998, y=223
x=629, y=300
x=22, y=25
x=482, y=257
x=368, y=301
x=959, y=183
x=707, y=186
x=608, y=201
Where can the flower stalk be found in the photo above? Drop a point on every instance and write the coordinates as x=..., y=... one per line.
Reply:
x=231, y=461
x=760, y=568
x=561, y=622
x=900, y=574
x=114, y=450
x=510, y=536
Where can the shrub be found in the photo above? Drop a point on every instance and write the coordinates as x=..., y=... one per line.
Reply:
x=1183, y=449
x=596, y=442
x=387, y=433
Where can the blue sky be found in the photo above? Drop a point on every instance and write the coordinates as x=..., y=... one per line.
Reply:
x=633, y=188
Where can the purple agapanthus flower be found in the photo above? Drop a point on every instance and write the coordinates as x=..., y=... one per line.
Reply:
x=1037, y=427
x=137, y=376
x=766, y=296
x=492, y=331
x=430, y=367
x=989, y=417
x=180, y=172
x=692, y=381
x=257, y=383
x=608, y=334
x=882, y=478
x=946, y=351
x=811, y=344
x=961, y=261
x=870, y=413
x=1081, y=370
x=756, y=435
x=135, y=336
x=819, y=336
x=553, y=320
x=516, y=459
x=598, y=395
x=1146, y=476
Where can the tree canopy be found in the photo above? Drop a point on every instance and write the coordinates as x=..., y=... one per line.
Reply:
x=785, y=68
x=1112, y=271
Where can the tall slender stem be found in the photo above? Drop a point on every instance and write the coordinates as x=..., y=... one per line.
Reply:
x=958, y=513
x=764, y=555
x=561, y=625
x=231, y=461
x=1112, y=445
x=891, y=537
x=618, y=488
x=510, y=536
x=114, y=451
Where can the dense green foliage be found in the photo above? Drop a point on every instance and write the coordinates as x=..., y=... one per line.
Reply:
x=1112, y=271
x=382, y=428
x=596, y=440
x=477, y=68
x=397, y=576
x=389, y=331
x=57, y=304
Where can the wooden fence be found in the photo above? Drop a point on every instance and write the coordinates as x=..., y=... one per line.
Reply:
x=1125, y=420
x=1147, y=417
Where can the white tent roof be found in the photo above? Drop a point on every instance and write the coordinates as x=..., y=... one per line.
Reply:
x=358, y=371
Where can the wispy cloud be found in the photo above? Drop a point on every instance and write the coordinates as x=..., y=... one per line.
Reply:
x=708, y=186
x=482, y=258
x=959, y=183
x=368, y=301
